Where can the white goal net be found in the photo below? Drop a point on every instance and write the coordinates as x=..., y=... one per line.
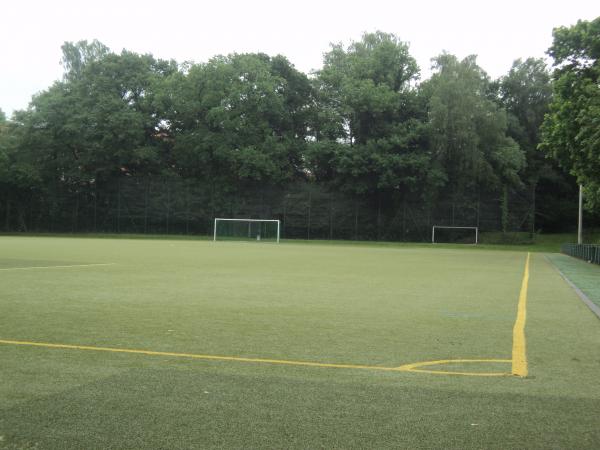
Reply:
x=247, y=230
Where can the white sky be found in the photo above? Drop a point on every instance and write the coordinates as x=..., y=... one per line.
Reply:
x=500, y=31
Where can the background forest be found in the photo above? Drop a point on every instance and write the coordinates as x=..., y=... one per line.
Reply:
x=361, y=149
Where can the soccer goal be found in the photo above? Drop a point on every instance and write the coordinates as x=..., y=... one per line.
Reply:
x=456, y=235
x=247, y=229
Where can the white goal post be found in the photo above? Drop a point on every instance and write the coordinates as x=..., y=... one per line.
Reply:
x=249, y=222
x=457, y=228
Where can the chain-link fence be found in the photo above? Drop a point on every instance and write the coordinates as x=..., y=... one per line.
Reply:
x=156, y=205
x=587, y=252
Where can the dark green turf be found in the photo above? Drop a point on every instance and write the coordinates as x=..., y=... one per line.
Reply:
x=387, y=305
x=513, y=241
x=584, y=275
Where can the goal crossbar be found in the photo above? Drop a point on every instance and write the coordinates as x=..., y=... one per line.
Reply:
x=452, y=227
x=222, y=219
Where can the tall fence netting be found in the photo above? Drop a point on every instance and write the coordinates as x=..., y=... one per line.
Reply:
x=586, y=252
x=156, y=205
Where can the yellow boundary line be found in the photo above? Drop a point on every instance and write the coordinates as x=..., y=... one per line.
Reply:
x=519, y=355
x=414, y=367
x=518, y=361
x=57, y=267
x=195, y=356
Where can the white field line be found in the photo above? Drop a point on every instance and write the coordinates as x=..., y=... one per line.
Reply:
x=58, y=267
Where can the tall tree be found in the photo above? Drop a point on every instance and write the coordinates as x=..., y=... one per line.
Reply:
x=19, y=174
x=100, y=121
x=525, y=93
x=241, y=119
x=468, y=130
x=77, y=55
x=570, y=132
x=369, y=132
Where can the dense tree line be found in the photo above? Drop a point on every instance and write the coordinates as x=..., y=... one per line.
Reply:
x=571, y=131
x=363, y=125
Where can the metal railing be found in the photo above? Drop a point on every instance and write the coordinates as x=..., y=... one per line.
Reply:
x=587, y=252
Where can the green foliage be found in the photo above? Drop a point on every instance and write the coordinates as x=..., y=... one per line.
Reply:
x=362, y=126
x=526, y=92
x=18, y=171
x=20, y=176
x=373, y=132
x=468, y=131
x=241, y=118
x=570, y=130
x=77, y=55
x=101, y=121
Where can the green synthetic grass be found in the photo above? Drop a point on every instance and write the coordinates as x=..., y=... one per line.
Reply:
x=513, y=241
x=584, y=275
x=383, y=305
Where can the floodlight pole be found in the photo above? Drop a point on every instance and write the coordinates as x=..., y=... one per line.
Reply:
x=580, y=218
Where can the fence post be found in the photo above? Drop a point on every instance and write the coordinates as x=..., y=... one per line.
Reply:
x=309, y=205
x=330, y=216
x=146, y=189
x=478, y=206
x=356, y=219
x=119, y=204
x=587, y=252
x=7, y=218
x=404, y=217
x=75, y=224
x=378, y=216
x=284, y=214
x=168, y=203
x=187, y=209
x=95, y=208
x=580, y=216
x=533, y=189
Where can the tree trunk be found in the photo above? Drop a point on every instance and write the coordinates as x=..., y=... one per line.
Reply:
x=533, y=189
x=356, y=220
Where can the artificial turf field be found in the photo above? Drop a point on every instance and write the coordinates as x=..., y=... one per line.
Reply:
x=287, y=346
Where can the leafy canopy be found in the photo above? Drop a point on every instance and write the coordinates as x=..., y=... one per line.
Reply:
x=370, y=130
x=570, y=132
x=468, y=130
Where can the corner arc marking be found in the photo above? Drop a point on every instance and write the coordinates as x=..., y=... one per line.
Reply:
x=420, y=367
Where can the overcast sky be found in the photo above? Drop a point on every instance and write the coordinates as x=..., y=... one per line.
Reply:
x=31, y=32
